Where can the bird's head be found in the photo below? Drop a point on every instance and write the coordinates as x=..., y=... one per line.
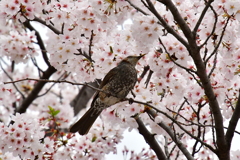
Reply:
x=132, y=59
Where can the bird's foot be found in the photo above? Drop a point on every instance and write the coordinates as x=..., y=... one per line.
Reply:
x=130, y=100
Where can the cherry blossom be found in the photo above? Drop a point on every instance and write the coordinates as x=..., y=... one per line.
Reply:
x=190, y=89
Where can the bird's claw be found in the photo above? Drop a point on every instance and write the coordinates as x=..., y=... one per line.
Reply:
x=130, y=100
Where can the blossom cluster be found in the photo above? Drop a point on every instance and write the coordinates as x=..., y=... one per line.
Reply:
x=18, y=46
x=84, y=40
x=22, y=137
x=30, y=139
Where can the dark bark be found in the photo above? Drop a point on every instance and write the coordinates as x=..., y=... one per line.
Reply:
x=37, y=88
x=150, y=139
x=233, y=124
x=170, y=132
x=194, y=51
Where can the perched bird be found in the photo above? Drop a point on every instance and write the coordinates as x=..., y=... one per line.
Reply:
x=115, y=86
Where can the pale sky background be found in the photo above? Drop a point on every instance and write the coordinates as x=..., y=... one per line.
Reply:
x=133, y=141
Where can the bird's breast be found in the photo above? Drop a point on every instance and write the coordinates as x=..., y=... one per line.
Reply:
x=119, y=86
x=110, y=100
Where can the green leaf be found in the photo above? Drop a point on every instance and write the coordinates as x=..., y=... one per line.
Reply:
x=94, y=139
x=56, y=112
x=52, y=111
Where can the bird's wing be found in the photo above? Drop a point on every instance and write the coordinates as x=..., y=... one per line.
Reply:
x=105, y=81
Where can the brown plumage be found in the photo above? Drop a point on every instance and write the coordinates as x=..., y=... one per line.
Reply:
x=118, y=82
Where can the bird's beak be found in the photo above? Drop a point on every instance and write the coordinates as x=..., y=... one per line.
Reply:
x=141, y=55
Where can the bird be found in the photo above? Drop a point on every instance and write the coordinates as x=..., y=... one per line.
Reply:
x=114, y=88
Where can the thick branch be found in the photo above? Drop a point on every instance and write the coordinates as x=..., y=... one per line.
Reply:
x=149, y=138
x=206, y=84
x=218, y=119
x=172, y=135
x=233, y=123
x=38, y=87
x=223, y=152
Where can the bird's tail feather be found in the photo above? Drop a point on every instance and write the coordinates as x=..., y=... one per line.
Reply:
x=85, y=122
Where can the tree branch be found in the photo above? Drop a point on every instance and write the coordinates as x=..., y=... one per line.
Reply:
x=172, y=119
x=63, y=76
x=170, y=57
x=213, y=29
x=47, y=25
x=201, y=17
x=219, y=42
x=218, y=119
x=90, y=45
x=214, y=106
x=32, y=96
x=165, y=24
x=54, y=81
x=39, y=41
x=137, y=8
x=17, y=89
x=36, y=65
x=172, y=135
x=233, y=123
x=149, y=138
x=178, y=18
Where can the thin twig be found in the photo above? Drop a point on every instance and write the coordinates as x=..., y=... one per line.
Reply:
x=214, y=65
x=83, y=53
x=166, y=147
x=34, y=92
x=18, y=90
x=214, y=25
x=62, y=30
x=178, y=18
x=40, y=71
x=199, y=132
x=179, y=65
x=181, y=127
x=39, y=42
x=190, y=71
x=56, y=31
x=137, y=8
x=203, y=13
x=220, y=40
x=53, y=81
x=171, y=134
x=63, y=75
x=166, y=25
